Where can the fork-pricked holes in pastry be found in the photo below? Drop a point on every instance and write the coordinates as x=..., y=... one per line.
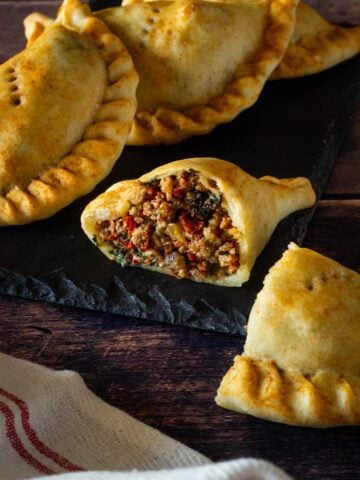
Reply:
x=11, y=78
x=175, y=57
x=66, y=157
x=178, y=96
x=11, y=75
x=15, y=100
x=304, y=324
x=319, y=281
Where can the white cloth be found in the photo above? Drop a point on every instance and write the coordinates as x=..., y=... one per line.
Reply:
x=52, y=424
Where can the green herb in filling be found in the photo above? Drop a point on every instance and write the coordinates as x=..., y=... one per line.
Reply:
x=179, y=225
x=120, y=257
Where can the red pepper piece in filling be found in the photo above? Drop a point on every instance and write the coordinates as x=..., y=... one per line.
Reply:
x=178, y=192
x=192, y=257
x=129, y=223
x=151, y=193
x=148, y=243
x=191, y=224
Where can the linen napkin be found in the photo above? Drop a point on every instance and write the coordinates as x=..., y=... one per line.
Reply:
x=51, y=424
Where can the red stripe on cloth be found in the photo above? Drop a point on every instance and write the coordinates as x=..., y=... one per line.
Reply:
x=34, y=439
x=17, y=443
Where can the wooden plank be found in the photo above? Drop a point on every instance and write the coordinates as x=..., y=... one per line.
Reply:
x=345, y=178
x=335, y=231
x=167, y=376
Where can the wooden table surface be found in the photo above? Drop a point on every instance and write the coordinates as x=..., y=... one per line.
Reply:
x=167, y=376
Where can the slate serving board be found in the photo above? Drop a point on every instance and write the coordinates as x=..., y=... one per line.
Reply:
x=295, y=128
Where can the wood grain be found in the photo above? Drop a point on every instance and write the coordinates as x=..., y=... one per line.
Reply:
x=345, y=178
x=166, y=376
x=335, y=231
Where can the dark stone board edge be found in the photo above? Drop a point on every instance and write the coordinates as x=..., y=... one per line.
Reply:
x=118, y=300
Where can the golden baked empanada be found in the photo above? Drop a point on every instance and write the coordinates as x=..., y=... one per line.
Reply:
x=199, y=63
x=67, y=103
x=199, y=218
x=301, y=362
x=315, y=45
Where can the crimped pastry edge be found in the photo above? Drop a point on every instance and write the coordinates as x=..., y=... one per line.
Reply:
x=262, y=389
x=312, y=54
x=92, y=158
x=167, y=126
x=296, y=193
x=171, y=126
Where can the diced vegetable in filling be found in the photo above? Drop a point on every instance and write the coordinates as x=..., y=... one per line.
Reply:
x=177, y=223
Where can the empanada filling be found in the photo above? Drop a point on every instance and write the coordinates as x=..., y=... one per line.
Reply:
x=177, y=223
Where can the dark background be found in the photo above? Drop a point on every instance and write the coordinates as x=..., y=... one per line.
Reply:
x=167, y=376
x=295, y=129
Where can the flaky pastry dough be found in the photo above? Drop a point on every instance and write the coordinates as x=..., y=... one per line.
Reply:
x=301, y=361
x=200, y=63
x=67, y=103
x=255, y=206
x=316, y=44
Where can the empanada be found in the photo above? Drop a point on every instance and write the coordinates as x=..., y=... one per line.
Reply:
x=200, y=63
x=301, y=362
x=316, y=44
x=67, y=103
x=200, y=218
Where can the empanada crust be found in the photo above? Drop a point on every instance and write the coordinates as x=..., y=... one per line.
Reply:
x=67, y=104
x=301, y=361
x=43, y=116
x=264, y=390
x=200, y=63
x=316, y=45
x=255, y=206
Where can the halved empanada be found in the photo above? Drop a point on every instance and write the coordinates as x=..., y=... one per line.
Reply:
x=200, y=218
x=199, y=63
x=67, y=103
x=301, y=363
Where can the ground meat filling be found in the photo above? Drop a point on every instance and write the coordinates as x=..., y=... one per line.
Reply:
x=177, y=223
